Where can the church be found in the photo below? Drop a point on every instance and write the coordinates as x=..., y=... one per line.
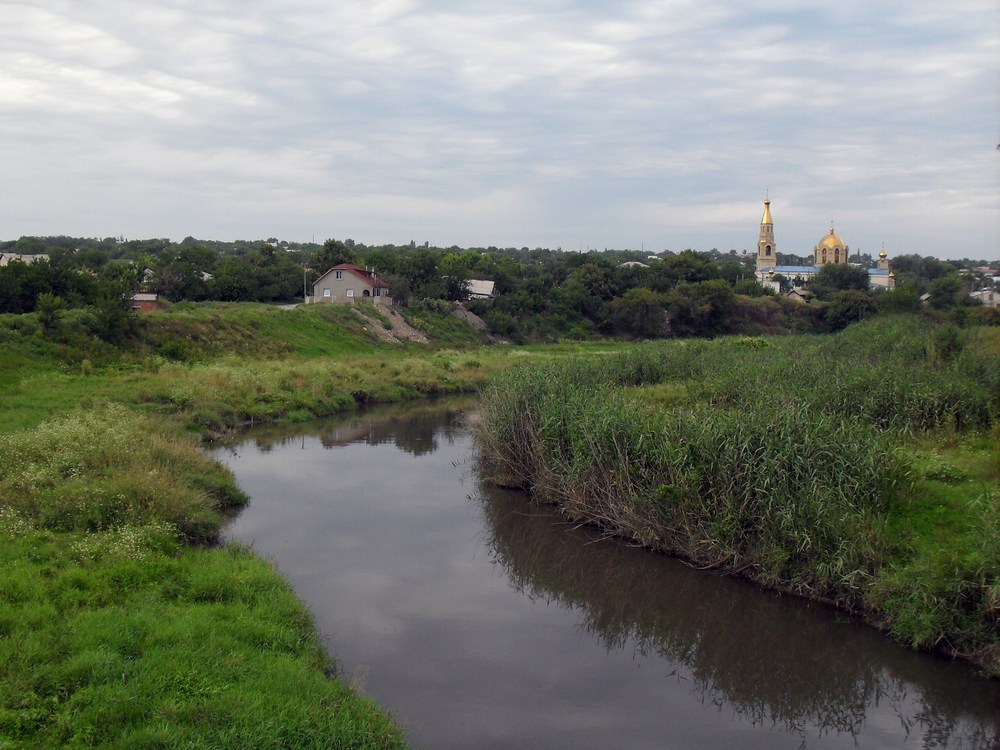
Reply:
x=830, y=249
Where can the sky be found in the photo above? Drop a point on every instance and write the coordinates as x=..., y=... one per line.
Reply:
x=654, y=125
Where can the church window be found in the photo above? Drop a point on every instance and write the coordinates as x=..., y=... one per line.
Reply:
x=767, y=250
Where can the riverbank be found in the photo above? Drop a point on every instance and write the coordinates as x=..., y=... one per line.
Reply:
x=123, y=623
x=862, y=469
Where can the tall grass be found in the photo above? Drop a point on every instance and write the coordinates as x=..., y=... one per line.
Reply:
x=781, y=459
x=791, y=498
x=108, y=467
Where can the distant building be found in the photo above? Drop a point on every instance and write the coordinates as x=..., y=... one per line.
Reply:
x=348, y=283
x=796, y=295
x=480, y=288
x=145, y=302
x=830, y=249
x=989, y=297
x=6, y=258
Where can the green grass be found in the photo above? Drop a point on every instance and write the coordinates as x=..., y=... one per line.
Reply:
x=436, y=319
x=116, y=630
x=123, y=638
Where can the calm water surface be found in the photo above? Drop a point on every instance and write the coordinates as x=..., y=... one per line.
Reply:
x=481, y=621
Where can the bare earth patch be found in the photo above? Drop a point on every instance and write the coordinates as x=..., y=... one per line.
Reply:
x=400, y=331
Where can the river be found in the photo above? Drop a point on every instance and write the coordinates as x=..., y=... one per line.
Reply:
x=481, y=620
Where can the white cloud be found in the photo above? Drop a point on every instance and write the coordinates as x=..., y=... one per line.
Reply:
x=558, y=122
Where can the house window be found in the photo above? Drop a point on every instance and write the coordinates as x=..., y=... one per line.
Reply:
x=350, y=292
x=326, y=291
x=339, y=274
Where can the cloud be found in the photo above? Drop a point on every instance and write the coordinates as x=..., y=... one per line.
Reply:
x=554, y=122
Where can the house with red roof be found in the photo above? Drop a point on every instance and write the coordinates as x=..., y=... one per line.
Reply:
x=349, y=283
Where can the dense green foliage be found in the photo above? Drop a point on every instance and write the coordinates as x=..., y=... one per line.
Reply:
x=783, y=459
x=541, y=295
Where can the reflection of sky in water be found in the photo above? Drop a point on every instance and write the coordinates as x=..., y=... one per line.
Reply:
x=480, y=623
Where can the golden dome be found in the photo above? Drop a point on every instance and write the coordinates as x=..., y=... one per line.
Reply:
x=831, y=241
x=767, y=212
x=883, y=254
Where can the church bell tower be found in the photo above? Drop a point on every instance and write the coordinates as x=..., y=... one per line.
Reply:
x=767, y=254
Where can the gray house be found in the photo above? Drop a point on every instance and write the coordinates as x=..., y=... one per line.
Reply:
x=349, y=283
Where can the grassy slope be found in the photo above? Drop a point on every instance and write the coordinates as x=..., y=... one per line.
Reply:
x=114, y=632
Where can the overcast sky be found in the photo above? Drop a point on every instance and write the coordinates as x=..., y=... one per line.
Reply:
x=552, y=123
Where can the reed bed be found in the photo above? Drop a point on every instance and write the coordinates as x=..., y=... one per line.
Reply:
x=791, y=499
x=783, y=460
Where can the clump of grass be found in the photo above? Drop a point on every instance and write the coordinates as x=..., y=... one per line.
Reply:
x=216, y=396
x=109, y=467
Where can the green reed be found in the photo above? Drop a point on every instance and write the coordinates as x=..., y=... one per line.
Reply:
x=782, y=459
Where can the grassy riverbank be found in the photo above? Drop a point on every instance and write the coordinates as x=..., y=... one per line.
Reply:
x=120, y=624
x=862, y=469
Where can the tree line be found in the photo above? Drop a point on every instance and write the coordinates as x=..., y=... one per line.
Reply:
x=540, y=294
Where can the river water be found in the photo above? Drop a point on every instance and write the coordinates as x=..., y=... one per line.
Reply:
x=483, y=621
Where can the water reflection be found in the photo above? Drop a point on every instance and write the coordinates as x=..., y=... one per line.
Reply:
x=414, y=428
x=493, y=623
x=767, y=659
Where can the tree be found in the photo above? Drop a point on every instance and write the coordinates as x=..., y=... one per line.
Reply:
x=333, y=253
x=49, y=308
x=639, y=313
x=849, y=306
x=751, y=288
x=700, y=309
x=946, y=291
x=900, y=300
x=838, y=277
x=112, y=318
x=234, y=281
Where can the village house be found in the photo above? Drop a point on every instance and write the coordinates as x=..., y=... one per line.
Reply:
x=989, y=297
x=145, y=302
x=480, y=288
x=7, y=258
x=348, y=283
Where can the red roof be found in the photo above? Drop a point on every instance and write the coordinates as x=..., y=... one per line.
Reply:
x=363, y=273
